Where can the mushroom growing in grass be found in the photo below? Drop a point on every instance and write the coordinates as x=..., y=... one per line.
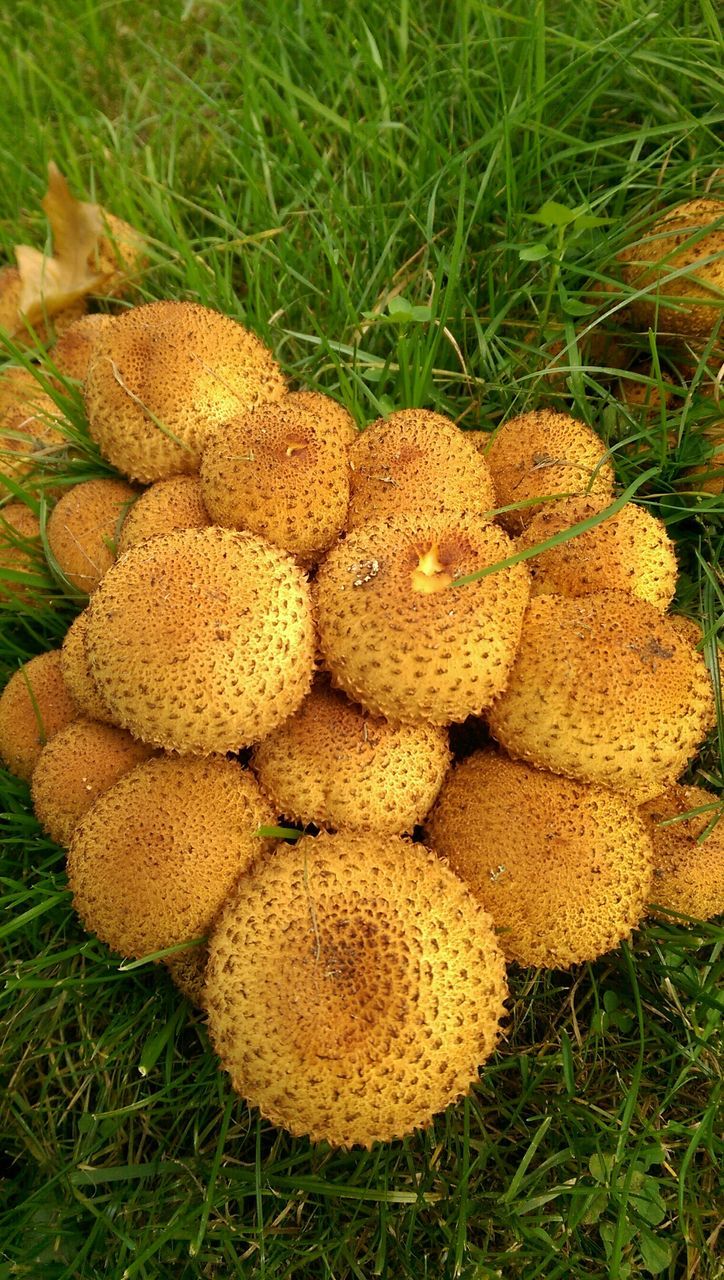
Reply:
x=687, y=832
x=564, y=868
x=83, y=530
x=165, y=507
x=72, y=352
x=419, y=463
x=163, y=377
x=679, y=266
x=77, y=674
x=400, y=637
x=605, y=689
x=544, y=454
x=22, y=563
x=354, y=988
x=153, y=860
x=202, y=640
x=29, y=426
x=34, y=706
x=334, y=764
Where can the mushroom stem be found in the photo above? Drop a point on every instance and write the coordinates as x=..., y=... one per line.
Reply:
x=430, y=575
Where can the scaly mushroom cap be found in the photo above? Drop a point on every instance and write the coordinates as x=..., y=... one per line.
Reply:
x=544, y=453
x=399, y=637
x=165, y=507
x=72, y=352
x=354, y=987
x=34, y=705
x=334, y=764
x=281, y=473
x=153, y=860
x=688, y=872
x=419, y=463
x=29, y=425
x=83, y=529
x=188, y=972
x=564, y=868
x=20, y=550
x=202, y=640
x=163, y=376
x=604, y=689
x=687, y=243
x=15, y=323
x=631, y=551
x=120, y=258
x=326, y=411
x=82, y=761
x=77, y=673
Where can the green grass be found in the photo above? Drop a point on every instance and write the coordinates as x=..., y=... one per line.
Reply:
x=360, y=185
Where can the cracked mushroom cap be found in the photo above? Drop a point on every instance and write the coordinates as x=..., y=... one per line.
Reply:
x=282, y=473
x=166, y=375
x=153, y=860
x=77, y=674
x=326, y=411
x=544, y=453
x=334, y=764
x=202, y=640
x=83, y=529
x=420, y=463
x=564, y=868
x=354, y=988
x=688, y=871
x=165, y=507
x=20, y=550
x=688, y=244
x=79, y=764
x=72, y=352
x=29, y=426
x=395, y=633
x=605, y=689
x=630, y=551
x=34, y=706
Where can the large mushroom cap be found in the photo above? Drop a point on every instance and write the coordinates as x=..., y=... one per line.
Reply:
x=605, y=689
x=680, y=264
x=151, y=863
x=165, y=507
x=399, y=637
x=334, y=764
x=79, y=764
x=165, y=375
x=544, y=453
x=34, y=705
x=326, y=411
x=202, y=640
x=420, y=463
x=564, y=868
x=83, y=529
x=77, y=674
x=630, y=551
x=354, y=988
x=282, y=473
x=688, y=870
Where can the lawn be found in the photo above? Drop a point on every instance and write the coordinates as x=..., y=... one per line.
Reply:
x=370, y=188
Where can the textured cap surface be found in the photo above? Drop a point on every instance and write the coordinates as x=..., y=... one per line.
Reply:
x=688, y=244
x=202, y=640
x=151, y=863
x=166, y=506
x=543, y=453
x=399, y=638
x=77, y=674
x=354, y=988
x=34, y=705
x=162, y=376
x=72, y=352
x=564, y=868
x=604, y=688
x=334, y=764
x=29, y=425
x=688, y=871
x=326, y=411
x=83, y=529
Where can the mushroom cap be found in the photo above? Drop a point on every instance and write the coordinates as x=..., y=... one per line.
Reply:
x=419, y=463
x=72, y=352
x=327, y=412
x=83, y=529
x=282, y=473
x=164, y=507
x=188, y=972
x=334, y=764
x=399, y=638
x=153, y=860
x=605, y=689
x=688, y=243
x=630, y=551
x=545, y=453
x=354, y=987
x=34, y=705
x=77, y=673
x=202, y=640
x=20, y=550
x=163, y=376
x=688, y=871
x=79, y=764
x=120, y=257
x=564, y=868
x=29, y=425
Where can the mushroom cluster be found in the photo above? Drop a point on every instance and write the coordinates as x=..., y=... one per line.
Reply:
x=283, y=618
